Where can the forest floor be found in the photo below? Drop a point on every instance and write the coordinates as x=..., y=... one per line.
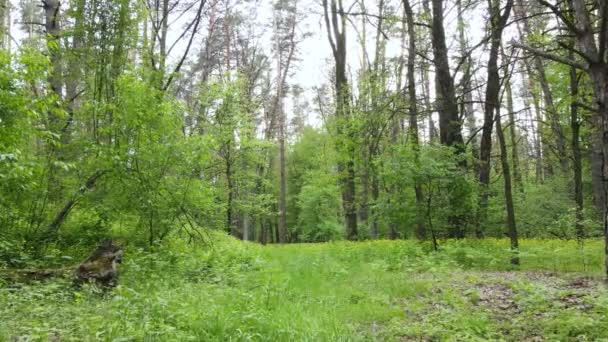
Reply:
x=343, y=291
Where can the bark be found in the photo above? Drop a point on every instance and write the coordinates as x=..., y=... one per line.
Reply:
x=424, y=78
x=230, y=226
x=101, y=267
x=492, y=102
x=51, y=25
x=420, y=229
x=450, y=126
x=263, y=232
x=449, y=121
x=282, y=72
x=281, y=117
x=576, y=156
x=467, y=107
x=375, y=194
x=556, y=128
x=513, y=137
x=504, y=161
x=164, y=23
x=346, y=167
x=4, y=10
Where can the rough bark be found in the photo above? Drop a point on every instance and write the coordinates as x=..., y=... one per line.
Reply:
x=519, y=185
x=449, y=121
x=101, y=267
x=346, y=167
x=576, y=156
x=467, y=107
x=508, y=188
x=51, y=25
x=4, y=22
x=492, y=102
x=420, y=229
x=450, y=126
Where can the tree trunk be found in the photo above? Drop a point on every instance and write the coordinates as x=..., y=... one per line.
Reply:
x=281, y=117
x=51, y=24
x=420, y=229
x=513, y=137
x=53, y=227
x=4, y=22
x=576, y=155
x=345, y=146
x=530, y=89
x=492, y=100
x=504, y=160
x=556, y=128
x=467, y=107
x=449, y=121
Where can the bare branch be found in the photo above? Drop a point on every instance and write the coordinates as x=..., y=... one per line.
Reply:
x=547, y=55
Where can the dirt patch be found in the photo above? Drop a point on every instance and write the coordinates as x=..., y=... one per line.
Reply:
x=581, y=283
x=497, y=297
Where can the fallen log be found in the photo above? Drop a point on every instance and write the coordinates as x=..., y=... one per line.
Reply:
x=101, y=267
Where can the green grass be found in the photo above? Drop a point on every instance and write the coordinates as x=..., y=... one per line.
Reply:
x=343, y=291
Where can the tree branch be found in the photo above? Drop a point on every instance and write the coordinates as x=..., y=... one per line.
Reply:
x=547, y=55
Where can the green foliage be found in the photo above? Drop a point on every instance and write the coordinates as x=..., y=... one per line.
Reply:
x=314, y=195
x=448, y=189
x=382, y=290
x=318, y=203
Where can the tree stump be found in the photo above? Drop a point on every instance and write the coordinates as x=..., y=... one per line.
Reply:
x=101, y=266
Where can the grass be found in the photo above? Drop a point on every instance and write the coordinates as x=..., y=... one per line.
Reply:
x=342, y=291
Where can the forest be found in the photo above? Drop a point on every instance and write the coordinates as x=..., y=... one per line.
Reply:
x=303, y=170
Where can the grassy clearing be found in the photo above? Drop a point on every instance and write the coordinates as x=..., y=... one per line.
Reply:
x=382, y=290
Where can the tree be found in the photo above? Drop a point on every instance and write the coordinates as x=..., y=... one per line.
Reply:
x=413, y=115
x=497, y=24
x=450, y=126
x=285, y=20
x=335, y=22
x=591, y=43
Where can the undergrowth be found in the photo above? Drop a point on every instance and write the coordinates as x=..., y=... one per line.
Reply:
x=383, y=290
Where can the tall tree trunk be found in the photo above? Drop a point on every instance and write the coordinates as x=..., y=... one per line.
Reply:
x=576, y=155
x=467, y=107
x=504, y=160
x=4, y=24
x=282, y=230
x=550, y=109
x=450, y=126
x=420, y=230
x=449, y=121
x=230, y=226
x=492, y=100
x=426, y=82
x=346, y=166
x=51, y=25
x=592, y=43
x=512, y=123
x=163, y=43
x=375, y=194
x=513, y=137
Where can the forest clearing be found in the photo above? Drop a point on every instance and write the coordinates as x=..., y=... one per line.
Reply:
x=303, y=170
x=343, y=291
